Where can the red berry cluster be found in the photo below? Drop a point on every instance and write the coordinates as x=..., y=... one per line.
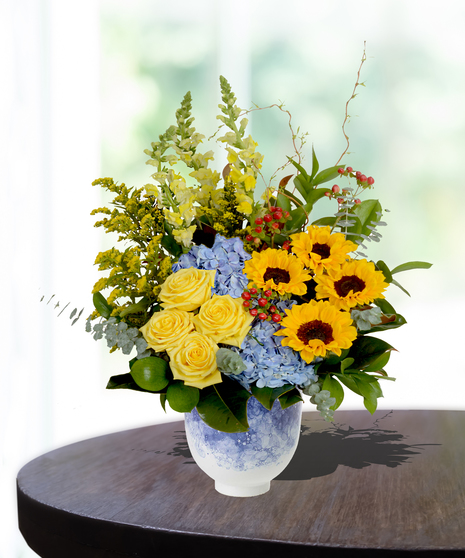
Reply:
x=268, y=225
x=259, y=303
x=362, y=181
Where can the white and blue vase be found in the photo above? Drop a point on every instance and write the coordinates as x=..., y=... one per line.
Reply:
x=244, y=463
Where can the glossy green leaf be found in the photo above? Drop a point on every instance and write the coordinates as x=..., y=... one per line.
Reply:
x=379, y=363
x=140, y=306
x=315, y=165
x=367, y=349
x=182, y=398
x=224, y=406
x=284, y=202
x=326, y=175
x=123, y=381
x=367, y=212
x=151, y=373
x=267, y=396
x=394, y=282
x=290, y=398
x=335, y=389
x=299, y=216
x=290, y=197
x=333, y=358
x=300, y=184
x=386, y=308
x=325, y=222
x=381, y=266
x=169, y=243
x=314, y=195
x=349, y=382
x=300, y=169
x=397, y=322
x=101, y=305
x=163, y=401
x=346, y=363
x=411, y=265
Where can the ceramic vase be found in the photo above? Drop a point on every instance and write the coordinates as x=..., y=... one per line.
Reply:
x=244, y=463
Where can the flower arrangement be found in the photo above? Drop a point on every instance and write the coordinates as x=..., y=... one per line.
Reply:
x=226, y=297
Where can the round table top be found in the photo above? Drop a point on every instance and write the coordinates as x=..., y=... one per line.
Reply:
x=391, y=484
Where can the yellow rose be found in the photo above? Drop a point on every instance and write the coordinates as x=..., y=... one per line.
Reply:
x=194, y=361
x=187, y=289
x=167, y=328
x=224, y=320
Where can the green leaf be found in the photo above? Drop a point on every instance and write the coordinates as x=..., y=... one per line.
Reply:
x=290, y=398
x=326, y=175
x=334, y=359
x=393, y=324
x=140, y=306
x=290, y=197
x=284, y=202
x=101, y=305
x=224, y=406
x=346, y=363
x=394, y=282
x=379, y=363
x=386, y=308
x=169, y=243
x=299, y=217
x=267, y=396
x=163, y=401
x=315, y=165
x=325, y=222
x=315, y=194
x=349, y=382
x=182, y=398
x=411, y=265
x=300, y=169
x=123, y=381
x=369, y=392
x=366, y=350
x=299, y=183
x=335, y=389
x=151, y=373
x=367, y=212
x=381, y=266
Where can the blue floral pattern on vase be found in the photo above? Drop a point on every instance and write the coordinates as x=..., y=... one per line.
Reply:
x=246, y=462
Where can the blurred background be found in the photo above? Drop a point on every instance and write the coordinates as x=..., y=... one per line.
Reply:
x=87, y=86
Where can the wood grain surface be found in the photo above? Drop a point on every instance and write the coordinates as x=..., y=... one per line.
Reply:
x=391, y=484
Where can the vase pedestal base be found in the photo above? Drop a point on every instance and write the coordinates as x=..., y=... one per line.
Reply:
x=242, y=491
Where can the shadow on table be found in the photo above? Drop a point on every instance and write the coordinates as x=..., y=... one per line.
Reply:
x=320, y=453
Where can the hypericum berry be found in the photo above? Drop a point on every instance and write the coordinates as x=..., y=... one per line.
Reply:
x=262, y=316
x=253, y=312
x=340, y=170
x=336, y=189
x=262, y=302
x=275, y=226
x=357, y=201
x=259, y=221
x=273, y=208
x=276, y=318
x=277, y=215
x=249, y=238
x=349, y=169
x=246, y=303
x=268, y=218
x=370, y=180
x=268, y=293
x=362, y=178
x=286, y=245
x=340, y=200
x=246, y=295
x=258, y=229
x=328, y=194
x=358, y=174
x=273, y=309
x=253, y=291
x=257, y=241
x=286, y=214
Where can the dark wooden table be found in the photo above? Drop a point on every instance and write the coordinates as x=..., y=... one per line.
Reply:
x=391, y=484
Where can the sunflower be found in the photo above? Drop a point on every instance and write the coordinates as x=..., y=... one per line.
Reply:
x=319, y=249
x=277, y=270
x=356, y=282
x=316, y=328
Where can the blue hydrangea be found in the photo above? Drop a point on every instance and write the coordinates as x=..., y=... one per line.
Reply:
x=268, y=362
x=227, y=256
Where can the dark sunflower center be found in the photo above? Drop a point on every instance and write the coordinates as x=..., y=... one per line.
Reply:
x=349, y=283
x=277, y=274
x=322, y=250
x=315, y=329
